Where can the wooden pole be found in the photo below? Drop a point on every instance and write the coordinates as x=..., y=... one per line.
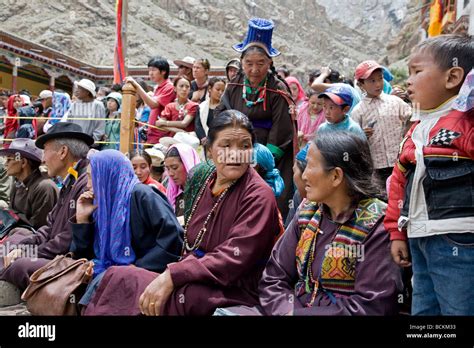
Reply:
x=127, y=118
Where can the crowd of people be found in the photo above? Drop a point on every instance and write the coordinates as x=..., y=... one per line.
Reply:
x=256, y=194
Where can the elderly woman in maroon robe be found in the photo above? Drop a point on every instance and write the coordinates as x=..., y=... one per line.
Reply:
x=334, y=258
x=258, y=92
x=231, y=222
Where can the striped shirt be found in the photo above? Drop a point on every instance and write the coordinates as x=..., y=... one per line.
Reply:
x=89, y=110
x=390, y=115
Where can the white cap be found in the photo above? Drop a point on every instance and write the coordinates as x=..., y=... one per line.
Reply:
x=45, y=94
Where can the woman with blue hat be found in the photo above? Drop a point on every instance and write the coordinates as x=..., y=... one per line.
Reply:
x=258, y=92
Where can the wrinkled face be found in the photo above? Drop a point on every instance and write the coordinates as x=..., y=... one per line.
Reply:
x=318, y=181
x=199, y=72
x=176, y=170
x=141, y=168
x=53, y=157
x=14, y=164
x=232, y=152
x=232, y=72
x=255, y=66
x=182, y=89
x=112, y=105
x=81, y=93
x=427, y=82
x=373, y=85
x=294, y=91
x=217, y=91
x=155, y=74
x=184, y=70
x=333, y=112
x=315, y=104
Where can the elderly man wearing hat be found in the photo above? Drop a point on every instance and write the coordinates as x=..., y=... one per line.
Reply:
x=259, y=93
x=33, y=195
x=86, y=109
x=65, y=149
x=185, y=67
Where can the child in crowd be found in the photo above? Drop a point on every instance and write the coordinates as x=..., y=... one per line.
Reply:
x=383, y=117
x=337, y=103
x=310, y=117
x=431, y=200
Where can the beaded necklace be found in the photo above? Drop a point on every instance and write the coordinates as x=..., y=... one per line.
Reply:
x=247, y=89
x=203, y=230
x=180, y=108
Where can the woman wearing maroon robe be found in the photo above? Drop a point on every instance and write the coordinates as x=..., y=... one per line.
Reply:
x=231, y=224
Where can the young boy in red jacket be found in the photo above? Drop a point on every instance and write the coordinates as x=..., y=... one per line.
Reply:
x=431, y=197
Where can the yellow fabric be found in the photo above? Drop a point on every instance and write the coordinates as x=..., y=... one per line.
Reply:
x=436, y=17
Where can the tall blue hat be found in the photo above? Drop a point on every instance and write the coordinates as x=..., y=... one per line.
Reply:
x=259, y=34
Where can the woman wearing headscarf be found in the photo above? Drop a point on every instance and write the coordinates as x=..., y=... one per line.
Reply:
x=179, y=160
x=258, y=93
x=310, y=117
x=265, y=166
x=297, y=91
x=61, y=104
x=120, y=221
x=229, y=232
x=15, y=102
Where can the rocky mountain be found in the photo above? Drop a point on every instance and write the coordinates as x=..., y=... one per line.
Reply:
x=309, y=33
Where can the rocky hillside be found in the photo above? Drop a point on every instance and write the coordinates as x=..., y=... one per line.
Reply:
x=309, y=33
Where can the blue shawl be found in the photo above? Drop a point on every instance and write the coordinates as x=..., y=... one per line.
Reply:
x=264, y=158
x=113, y=181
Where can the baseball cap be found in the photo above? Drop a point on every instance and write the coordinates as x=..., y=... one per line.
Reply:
x=340, y=95
x=366, y=68
x=45, y=94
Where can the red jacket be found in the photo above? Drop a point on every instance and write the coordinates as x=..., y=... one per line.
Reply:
x=449, y=165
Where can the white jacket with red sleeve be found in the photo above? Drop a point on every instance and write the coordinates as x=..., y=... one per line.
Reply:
x=432, y=186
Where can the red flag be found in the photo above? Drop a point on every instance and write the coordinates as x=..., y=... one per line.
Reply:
x=119, y=59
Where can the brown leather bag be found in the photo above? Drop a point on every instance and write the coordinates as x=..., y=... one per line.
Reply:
x=57, y=287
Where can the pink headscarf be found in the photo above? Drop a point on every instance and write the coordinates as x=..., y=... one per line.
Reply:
x=301, y=94
x=190, y=158
x=304, y=121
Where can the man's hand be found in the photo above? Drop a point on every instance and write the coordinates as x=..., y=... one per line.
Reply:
x=130, y=80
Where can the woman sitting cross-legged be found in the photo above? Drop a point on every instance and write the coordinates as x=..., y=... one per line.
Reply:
x=120, y=221
x=229, y=233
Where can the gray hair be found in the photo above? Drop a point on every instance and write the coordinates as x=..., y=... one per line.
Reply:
x=77, y=148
